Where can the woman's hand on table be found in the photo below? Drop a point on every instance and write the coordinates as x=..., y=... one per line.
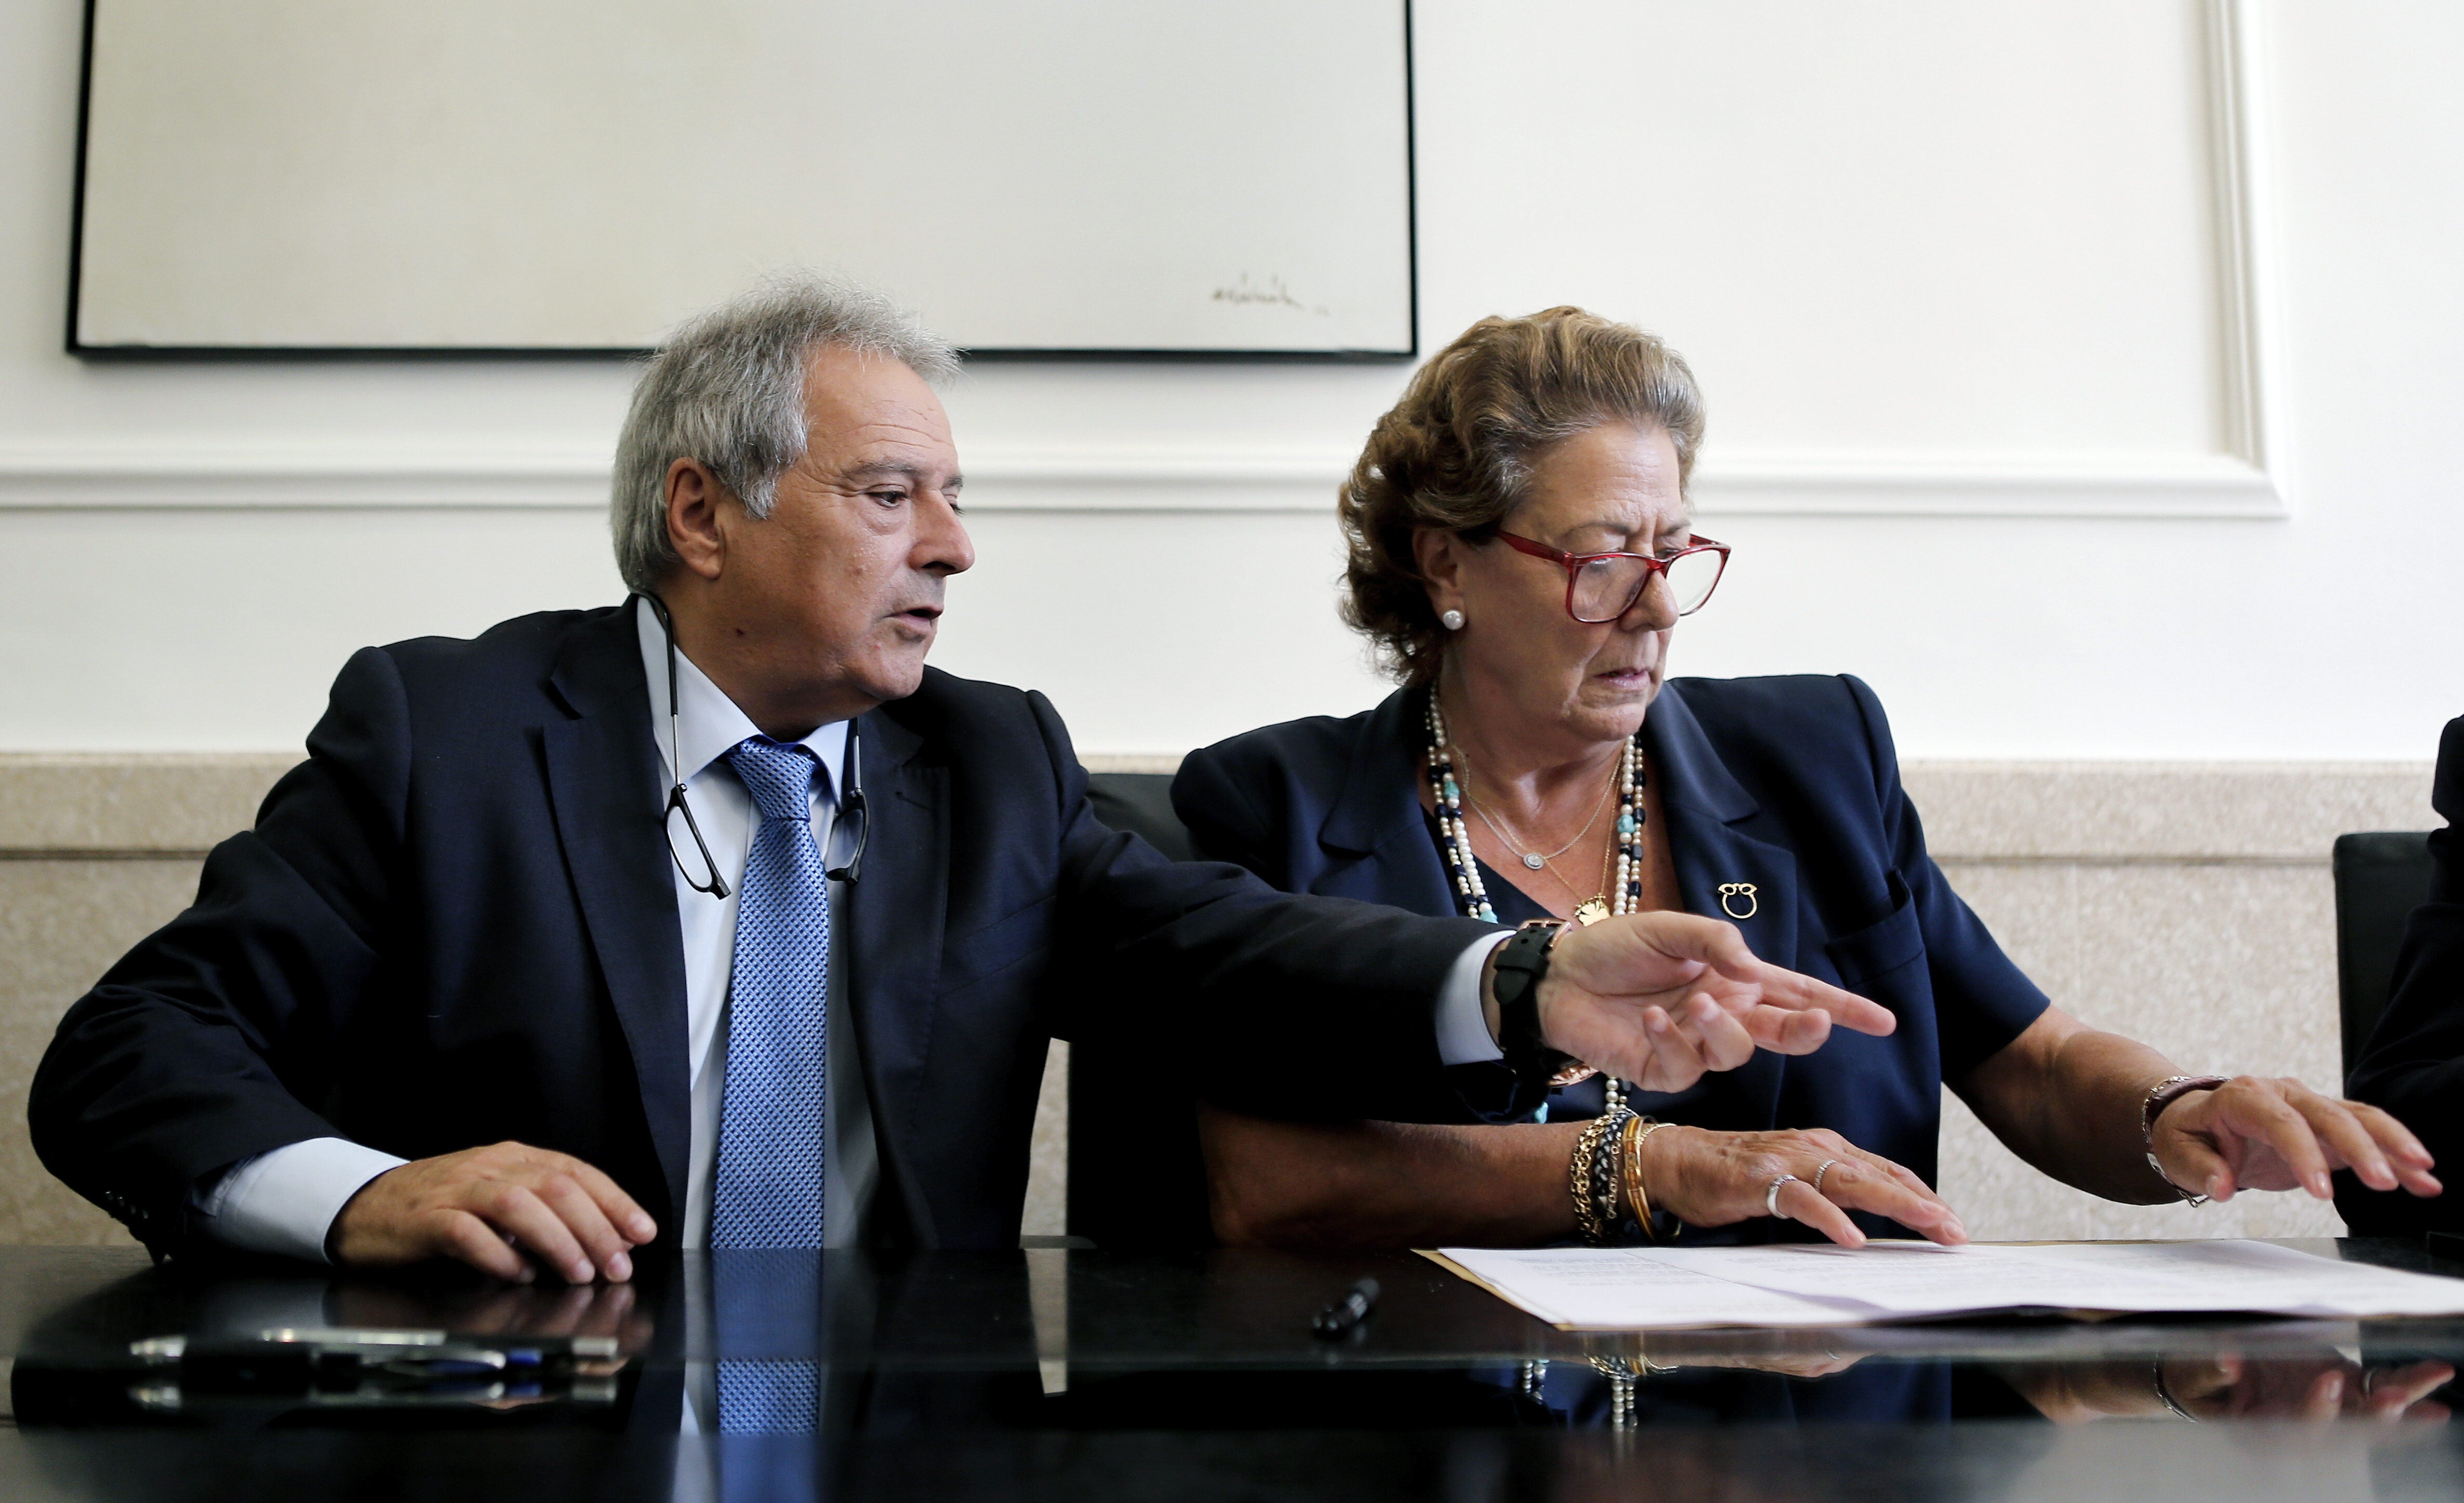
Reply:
x=2256, y=1134
x=1661, y=998
x=1791, y=1354
x=1712, y=1179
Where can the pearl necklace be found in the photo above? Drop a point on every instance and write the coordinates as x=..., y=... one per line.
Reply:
x=1454, y=839
x=1624, y=891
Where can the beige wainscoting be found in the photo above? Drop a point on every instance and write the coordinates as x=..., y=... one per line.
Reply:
x=95, y=852
x=2188, y=905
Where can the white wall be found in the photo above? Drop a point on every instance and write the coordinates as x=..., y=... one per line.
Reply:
x=1978, y=261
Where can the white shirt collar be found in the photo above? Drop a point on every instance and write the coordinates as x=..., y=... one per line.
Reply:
x=710, y=725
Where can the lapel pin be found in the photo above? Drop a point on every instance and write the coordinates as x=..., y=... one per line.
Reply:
x=1731, y=894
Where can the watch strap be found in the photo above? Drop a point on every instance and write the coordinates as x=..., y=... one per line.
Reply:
x=1522, y=965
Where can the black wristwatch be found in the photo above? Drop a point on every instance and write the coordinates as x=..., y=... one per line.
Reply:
x=1522, y=962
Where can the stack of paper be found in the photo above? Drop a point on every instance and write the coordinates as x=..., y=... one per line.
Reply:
x=1661, y=1288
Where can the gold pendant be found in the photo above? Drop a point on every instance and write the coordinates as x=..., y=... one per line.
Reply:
x=1591, y=910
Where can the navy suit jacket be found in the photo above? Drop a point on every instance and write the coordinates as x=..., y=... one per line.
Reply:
x=455, y=923
x=1790, y=785
x=2413, y=1063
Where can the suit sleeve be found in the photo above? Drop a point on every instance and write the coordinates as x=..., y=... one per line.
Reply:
x=1981, y=999
x=2413, y=1063
x=209, y=1041
x=1223, y=819
x=1281, y=1004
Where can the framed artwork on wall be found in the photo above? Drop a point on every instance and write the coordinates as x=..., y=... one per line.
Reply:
x=462, y=177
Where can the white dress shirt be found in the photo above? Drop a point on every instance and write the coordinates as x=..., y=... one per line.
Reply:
x=708, y=726
x=285, y=1202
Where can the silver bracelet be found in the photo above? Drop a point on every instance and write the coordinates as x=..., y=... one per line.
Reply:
x=2160, y=1096
x=2187, y=1198
x=2164, y=1390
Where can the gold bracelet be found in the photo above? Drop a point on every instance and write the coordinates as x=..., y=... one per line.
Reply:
x=1638, y=1200
x=1579, y=1179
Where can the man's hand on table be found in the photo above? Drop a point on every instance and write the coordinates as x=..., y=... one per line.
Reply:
x=487, y=1207
x=503, y=1310
x=2256, y=1134
x=1661, y=998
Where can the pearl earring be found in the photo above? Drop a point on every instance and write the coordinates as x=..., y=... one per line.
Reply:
x=1453, y=620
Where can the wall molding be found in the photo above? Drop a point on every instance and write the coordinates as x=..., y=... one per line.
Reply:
x=329, y=476
x=2245, y=481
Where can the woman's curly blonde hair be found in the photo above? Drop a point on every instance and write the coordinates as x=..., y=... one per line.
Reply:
x=1456, y=452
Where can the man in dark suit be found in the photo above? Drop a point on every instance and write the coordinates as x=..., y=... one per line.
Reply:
x=2413, y=1065
x=462, y=992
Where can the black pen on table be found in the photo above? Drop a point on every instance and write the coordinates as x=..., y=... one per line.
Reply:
x=1340, y=1317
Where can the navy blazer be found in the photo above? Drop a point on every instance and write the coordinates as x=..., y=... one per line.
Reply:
x=456, y=923
x=2413, y=1063
x=1790, y=785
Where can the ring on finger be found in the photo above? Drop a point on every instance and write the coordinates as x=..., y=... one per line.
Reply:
x=1819, y=1173
x=1770, y=1196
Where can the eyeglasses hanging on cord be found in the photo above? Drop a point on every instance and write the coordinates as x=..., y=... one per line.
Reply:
x=850, y=807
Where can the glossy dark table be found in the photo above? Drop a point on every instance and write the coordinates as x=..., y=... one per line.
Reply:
x=1055, y=1373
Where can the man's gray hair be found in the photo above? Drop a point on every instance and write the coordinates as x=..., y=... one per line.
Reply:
x=728, y=389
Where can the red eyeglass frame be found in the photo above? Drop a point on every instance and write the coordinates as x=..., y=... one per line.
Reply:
x=1574, y=563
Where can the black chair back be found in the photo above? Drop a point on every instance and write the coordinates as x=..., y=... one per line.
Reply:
x=1138, y=1176
x=1141, y=804
x=2380, y=878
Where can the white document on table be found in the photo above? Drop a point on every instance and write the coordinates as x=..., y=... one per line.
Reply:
x=1801, y=1284
x=1623, y=1289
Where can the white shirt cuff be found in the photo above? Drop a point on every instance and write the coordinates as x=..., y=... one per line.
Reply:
x=1463, y=1031
x=285, y=1202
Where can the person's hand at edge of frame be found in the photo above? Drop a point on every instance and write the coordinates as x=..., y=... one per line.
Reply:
x=2254, y=1133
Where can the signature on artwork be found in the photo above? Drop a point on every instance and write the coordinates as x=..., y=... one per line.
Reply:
x=1274, y=293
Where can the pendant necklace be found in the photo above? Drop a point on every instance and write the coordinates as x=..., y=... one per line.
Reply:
x=1506, y=837
x=1622, y=891
x=1594, y=908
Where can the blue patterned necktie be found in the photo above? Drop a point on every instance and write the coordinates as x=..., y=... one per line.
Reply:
x=767, y=1188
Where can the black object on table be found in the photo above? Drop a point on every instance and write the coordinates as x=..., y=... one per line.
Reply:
x=1088, y=1375
x=1344, y=1316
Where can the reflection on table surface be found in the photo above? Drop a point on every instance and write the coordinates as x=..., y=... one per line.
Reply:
x=1084, y=1373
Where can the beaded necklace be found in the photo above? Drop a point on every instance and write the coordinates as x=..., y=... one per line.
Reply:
x=1623, y=891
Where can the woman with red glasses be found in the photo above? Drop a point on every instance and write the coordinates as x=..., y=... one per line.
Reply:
x=1521, y=550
